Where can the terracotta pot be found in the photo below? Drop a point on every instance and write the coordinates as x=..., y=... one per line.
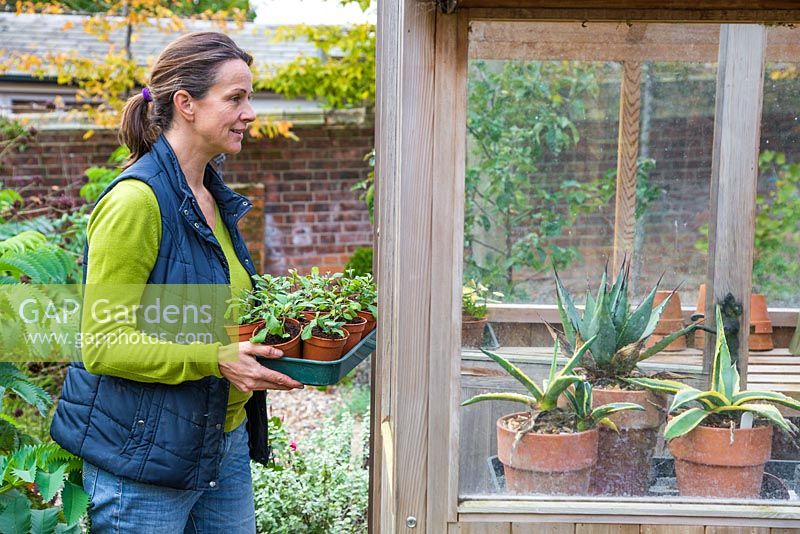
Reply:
x=308, y=315
x=290, y=348
x=623, y=465
x=472, y=332
x=709, y=464
x=322, y=349
x=371, y=323
x=699, y=335
x=243, y=332
x=760, y=325
x=355, y=331
x=551, y=464
x=671, y=320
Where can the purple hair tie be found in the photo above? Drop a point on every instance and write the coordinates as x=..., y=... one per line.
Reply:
x=146, y=95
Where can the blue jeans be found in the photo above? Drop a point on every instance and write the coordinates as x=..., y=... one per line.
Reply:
x=120, y=505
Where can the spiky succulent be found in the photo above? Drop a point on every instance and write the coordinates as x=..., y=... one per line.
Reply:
x=544, y=398
x=723, y=398
x=620, y=334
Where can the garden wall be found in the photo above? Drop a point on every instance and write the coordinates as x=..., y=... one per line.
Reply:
x=304, y=213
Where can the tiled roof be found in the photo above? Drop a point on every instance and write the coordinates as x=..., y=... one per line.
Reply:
x=38, y=34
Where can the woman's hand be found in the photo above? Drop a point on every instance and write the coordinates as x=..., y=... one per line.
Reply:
x=246, y=374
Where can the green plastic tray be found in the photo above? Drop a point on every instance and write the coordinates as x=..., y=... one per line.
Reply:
x=313, y=373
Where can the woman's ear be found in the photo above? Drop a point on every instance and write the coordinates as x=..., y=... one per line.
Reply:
x=184, y=104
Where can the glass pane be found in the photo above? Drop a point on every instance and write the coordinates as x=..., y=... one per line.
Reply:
x=564, y=119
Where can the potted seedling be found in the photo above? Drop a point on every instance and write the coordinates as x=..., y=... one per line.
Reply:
x=280, y=328
x=362, y=290
x=474, y=298
x=621, y=336
x=324, y=337
x=721, y=438
x=546, y=448
x=245, y=312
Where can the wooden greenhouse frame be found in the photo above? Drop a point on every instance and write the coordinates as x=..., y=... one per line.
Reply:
x=421, y=142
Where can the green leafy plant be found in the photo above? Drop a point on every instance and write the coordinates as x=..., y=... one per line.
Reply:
x=33, y=474
x=520, y=114
x=724, y=398
x=317, y=485
x=543, y=399
x=360, y=262
x=620, y=334
x=100, y=177
x=280, y=307
x=360, y=289
x=475, y=297
x=776, y=246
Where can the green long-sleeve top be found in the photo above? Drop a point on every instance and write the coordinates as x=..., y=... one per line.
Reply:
x=124, y=234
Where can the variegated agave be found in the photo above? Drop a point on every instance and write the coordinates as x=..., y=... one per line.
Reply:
x=620, y=334
x=544, y=398
x=724, y=397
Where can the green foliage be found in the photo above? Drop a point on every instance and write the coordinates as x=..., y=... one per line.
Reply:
x=180, y=7
x=343, y=77
x=620, y=334
x=544, y=398
x=32, y=473
x=100, y=177
x=28, y=257
x=519, y=114
x=474, y=297
x=317, y=486
x=367, y=186
x=724, y=398
x=360, y=262
x=776, y=247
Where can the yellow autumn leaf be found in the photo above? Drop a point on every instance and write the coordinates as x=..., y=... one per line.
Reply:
x=88, y=134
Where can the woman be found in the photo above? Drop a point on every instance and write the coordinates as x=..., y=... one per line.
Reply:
x=166, y=441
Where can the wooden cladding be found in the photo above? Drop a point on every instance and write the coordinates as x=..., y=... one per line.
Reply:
x=613, y=41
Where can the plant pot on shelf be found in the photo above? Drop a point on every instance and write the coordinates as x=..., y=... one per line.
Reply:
x=715, y=462
x=243, y=332
x=623, y=464
x=472, y=331
x=291, y=348
x=355, y=327
x=371, y=322
x=324, y=349
x=760, y=325
x=552, y=464
x=671, y=320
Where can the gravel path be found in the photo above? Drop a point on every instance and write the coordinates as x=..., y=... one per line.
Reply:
x=303, y=410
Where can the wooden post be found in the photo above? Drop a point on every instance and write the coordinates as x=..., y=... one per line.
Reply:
x=627, y=153
x=734, y=174
x=405, y=111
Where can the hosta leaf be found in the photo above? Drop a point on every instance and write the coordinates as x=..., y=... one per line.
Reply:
x=75, y=502
x=684, y=423
x=44, y=521
x=511, y=397
x=515, y=372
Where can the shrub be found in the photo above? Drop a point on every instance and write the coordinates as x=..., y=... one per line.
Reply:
x=318, y=486
x=361, y=261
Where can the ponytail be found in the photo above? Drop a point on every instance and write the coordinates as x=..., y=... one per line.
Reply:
x=137, y=129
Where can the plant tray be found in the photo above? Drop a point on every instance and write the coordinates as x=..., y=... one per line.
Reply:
x=314, y=373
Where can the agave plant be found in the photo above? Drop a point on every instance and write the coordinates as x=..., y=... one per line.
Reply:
x=724, y=397
x=620, y=334
x=544, y=398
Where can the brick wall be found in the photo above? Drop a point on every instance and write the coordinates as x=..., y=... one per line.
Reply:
x=304, y=213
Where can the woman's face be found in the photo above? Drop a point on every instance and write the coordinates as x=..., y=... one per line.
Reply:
x=222, y=115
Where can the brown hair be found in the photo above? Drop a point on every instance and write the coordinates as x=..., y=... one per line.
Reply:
x=189, y=63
